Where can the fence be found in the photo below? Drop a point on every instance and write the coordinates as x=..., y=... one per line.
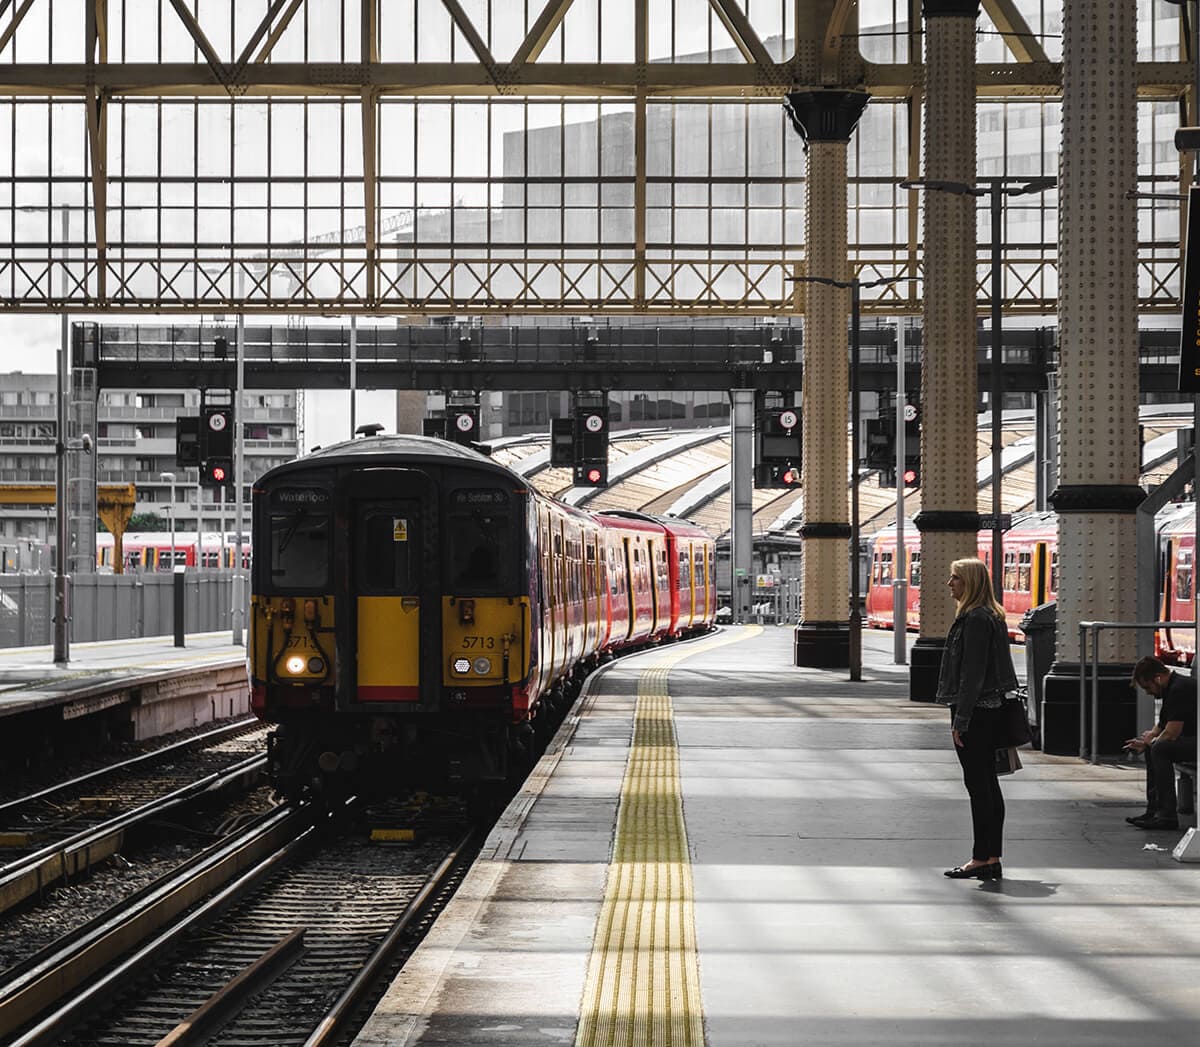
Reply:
x=1091, y=670
x=112, y=606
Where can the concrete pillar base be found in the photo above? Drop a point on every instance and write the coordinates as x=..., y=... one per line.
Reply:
x=926, y=658
x=822, y=645
x=1060, y=709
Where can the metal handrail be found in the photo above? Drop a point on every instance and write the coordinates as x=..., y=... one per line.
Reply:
x=1095, y=673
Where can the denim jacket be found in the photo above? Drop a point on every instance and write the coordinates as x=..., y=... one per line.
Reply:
x=976, y=663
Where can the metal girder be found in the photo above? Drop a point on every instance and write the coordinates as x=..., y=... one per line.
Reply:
x=1018, y=37
x=616, y=79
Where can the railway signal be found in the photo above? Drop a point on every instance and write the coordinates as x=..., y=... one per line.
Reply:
x=592, y=475
x=187, y=441
x=216, y=472
x=589, y=440
x=912, y=444
x=778, y=443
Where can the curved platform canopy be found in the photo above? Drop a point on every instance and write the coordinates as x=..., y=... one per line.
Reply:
x=686, y=473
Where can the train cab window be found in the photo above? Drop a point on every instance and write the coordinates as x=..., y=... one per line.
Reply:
x=384, y=561
x=914, y=570
x=1183, y=574
x=479, y=544
x=299, y=549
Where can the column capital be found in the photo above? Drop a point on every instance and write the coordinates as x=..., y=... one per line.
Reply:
x=825, y=116
x=949, y=9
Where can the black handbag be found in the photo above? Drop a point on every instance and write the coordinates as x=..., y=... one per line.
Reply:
x=1015, y=722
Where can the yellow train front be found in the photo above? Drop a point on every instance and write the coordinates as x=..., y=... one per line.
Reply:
x=393, y=631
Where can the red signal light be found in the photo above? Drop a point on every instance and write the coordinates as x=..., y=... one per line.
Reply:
x=910, y=477
x=791, y=476
x=218, y=473
x=594, y=475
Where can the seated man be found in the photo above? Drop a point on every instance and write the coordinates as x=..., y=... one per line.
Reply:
x=1170, y=741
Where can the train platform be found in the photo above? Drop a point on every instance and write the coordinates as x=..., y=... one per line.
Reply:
x=720, y=848
x=148, y=672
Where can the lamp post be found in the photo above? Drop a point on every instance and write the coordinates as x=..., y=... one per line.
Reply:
x=996, y=189
x=170, y=477
x=855, y=285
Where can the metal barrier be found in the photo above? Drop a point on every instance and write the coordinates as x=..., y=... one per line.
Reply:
x=114, y=606
x=1096, y=627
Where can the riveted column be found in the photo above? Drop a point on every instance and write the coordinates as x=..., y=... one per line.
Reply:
x=949, y=519
x=826, y=120
x=1098, y=493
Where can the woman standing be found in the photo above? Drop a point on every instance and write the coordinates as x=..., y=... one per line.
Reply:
x=977, y=671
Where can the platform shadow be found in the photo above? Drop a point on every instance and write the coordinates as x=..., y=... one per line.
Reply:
x=1014, y=888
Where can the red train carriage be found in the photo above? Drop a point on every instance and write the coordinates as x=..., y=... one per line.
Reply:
x=1030, y=570
x=1031, y=575
x=1177, y=561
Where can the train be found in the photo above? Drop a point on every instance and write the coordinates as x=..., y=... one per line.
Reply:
x=157, y=551
x=1030, y=574
x=422, y=617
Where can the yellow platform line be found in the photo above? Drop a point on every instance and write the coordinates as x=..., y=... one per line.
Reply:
x=643, y=980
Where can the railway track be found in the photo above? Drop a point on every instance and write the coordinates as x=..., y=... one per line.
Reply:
x=325, y=900
x=65, y=830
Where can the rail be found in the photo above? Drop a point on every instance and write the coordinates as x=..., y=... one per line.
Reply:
x=1094, y=666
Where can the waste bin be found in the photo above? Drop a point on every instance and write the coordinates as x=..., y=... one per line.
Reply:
x=1038, y=627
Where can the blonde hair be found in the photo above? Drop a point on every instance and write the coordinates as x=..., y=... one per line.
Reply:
x=977, y=591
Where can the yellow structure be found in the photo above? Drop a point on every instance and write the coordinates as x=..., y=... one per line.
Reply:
x=114, y=506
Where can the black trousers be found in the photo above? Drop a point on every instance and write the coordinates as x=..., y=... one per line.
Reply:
x=1161, y=758
x=977, y=755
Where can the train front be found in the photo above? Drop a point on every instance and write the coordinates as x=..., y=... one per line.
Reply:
x=390, y=618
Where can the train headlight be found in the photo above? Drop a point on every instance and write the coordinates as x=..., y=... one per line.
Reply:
x=461, y=665
x=295, y=664
x=482, y=666
x=316, y=665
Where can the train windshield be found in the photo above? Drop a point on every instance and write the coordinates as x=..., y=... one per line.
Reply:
x=299, y=548
x=479, y=546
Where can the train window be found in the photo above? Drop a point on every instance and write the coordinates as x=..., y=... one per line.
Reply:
x=1010, y=571
x=479, y=548
x=1183, y=574
x=1053, y=574
x=685, y=569
x=914, y=570
x=1024, y=569
x=885, y=569
x=299, y=549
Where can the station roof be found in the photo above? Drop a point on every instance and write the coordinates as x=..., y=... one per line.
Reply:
x=687, y=473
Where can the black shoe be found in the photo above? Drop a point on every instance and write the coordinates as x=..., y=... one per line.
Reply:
x=1140, y=819
x=1158, y=823
x=979, y=872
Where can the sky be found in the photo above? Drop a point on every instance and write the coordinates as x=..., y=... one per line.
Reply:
x=30, y=344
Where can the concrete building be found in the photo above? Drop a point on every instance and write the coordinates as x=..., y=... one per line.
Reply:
x=134, y=443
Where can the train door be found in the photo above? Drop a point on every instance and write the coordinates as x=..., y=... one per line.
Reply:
x=390, y=574
x=654, y=554
x=1040, y=575
x=631, y=587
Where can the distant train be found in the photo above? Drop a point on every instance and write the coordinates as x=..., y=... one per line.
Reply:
x=1030, y=574
x=422, y=615
x=153, y=550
